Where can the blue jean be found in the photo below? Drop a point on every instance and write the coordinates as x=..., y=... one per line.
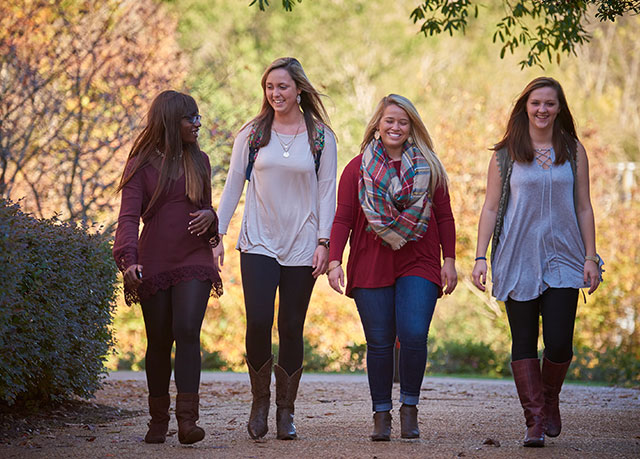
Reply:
x=404, y=310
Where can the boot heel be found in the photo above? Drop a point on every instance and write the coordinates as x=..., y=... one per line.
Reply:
x=187, y=413
x=260, y=389
x=381, y=426
x=553, y=375
x=528, y=379
x=159, y=424
x=286, y=393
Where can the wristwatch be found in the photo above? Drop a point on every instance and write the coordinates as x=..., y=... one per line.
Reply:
x=324, y=243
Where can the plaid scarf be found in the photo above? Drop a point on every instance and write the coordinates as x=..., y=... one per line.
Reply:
x=398, y=208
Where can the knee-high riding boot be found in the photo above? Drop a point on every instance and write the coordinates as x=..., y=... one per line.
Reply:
x=553, y=375
x=528, y=379
x=261, y=391
x=286, y=392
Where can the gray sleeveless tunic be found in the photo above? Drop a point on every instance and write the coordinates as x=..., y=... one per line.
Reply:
x=541, y=244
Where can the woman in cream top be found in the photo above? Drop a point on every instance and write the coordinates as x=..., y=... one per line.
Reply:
x=283, y=243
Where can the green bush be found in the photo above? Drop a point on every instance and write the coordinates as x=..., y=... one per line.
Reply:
x=613, y=366
x=468, y=357
x=213, y=361
x=56, y=303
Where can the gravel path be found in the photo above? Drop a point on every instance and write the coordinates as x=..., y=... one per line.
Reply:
x=458, y=418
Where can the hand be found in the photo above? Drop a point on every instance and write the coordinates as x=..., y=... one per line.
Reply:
x=320, y=261
x=591, y=275
x=336, y=278
x=130, y=276
x=218, y=255
x=202, y=221
x=449, y=275
x=479, y=274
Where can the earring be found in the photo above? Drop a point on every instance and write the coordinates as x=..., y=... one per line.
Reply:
x=298, y=99
x=410, y=140
x=376, y=135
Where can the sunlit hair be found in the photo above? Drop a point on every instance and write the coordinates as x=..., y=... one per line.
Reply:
x=418, y=131
x=310, y=102
x=517, y=139
x=161, y=136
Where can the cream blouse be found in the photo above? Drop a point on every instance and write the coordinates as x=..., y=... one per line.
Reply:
x=288, y=207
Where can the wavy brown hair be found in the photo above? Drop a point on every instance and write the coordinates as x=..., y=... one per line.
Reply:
x=419, y=133
x=517, y=139
x=161, y=136
x=310, y=101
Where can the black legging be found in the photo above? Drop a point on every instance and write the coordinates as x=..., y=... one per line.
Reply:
x=261, y=275
x=175, y=314
x=558, y=309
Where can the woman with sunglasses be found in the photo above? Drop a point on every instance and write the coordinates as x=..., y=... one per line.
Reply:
x=169, y=269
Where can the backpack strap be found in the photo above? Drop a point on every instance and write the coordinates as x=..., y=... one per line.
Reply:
x=318, y=145
x=254, y=139
x=505, y=166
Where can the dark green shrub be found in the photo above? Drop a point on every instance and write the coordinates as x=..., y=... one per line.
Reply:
x=313, y=359
x=213, y=361
x=468, y=357
x=614, y=366
x=357, y=357
x=56, y=300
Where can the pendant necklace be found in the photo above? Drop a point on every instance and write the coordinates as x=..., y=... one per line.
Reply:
x=286, y=146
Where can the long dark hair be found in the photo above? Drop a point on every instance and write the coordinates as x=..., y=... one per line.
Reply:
x=161, y=136
x=312, y=108
x=517, y=139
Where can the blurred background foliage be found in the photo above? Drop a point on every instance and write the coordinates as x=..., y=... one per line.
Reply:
x=355, y=52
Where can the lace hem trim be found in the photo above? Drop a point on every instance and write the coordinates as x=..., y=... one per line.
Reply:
x=164, y=280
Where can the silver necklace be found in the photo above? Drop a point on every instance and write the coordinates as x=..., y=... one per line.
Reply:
x=286, y=146
x=542, y=150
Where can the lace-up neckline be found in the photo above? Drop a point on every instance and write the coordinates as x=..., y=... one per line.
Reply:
x=543, y=157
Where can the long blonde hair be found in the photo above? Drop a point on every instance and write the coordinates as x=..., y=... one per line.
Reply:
x=162, y=133
x=418, y=131
x=310, y=103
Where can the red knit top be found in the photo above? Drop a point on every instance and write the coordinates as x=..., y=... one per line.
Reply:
x=166, y=249
x=372, y=264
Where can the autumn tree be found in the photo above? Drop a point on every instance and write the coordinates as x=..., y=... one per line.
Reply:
x=545, y=28
x=75, y=79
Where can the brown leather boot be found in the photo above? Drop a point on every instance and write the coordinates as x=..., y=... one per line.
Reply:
x=528, y=379
x=409, y=421
x=159, y=424
x=286, y=392
x=553, y=375
x=260, y=389
x=187, y=407
x=381, y=426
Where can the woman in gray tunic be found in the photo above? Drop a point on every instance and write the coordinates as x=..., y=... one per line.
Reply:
x=537, y=207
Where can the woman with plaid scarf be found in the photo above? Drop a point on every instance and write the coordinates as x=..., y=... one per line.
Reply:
x=394, y=207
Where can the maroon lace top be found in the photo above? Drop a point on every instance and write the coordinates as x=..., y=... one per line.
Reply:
x=167, y=251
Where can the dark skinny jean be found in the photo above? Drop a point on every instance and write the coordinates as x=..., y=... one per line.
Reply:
x=404, y=310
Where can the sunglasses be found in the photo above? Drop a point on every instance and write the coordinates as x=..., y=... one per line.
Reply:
x=193, y=119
